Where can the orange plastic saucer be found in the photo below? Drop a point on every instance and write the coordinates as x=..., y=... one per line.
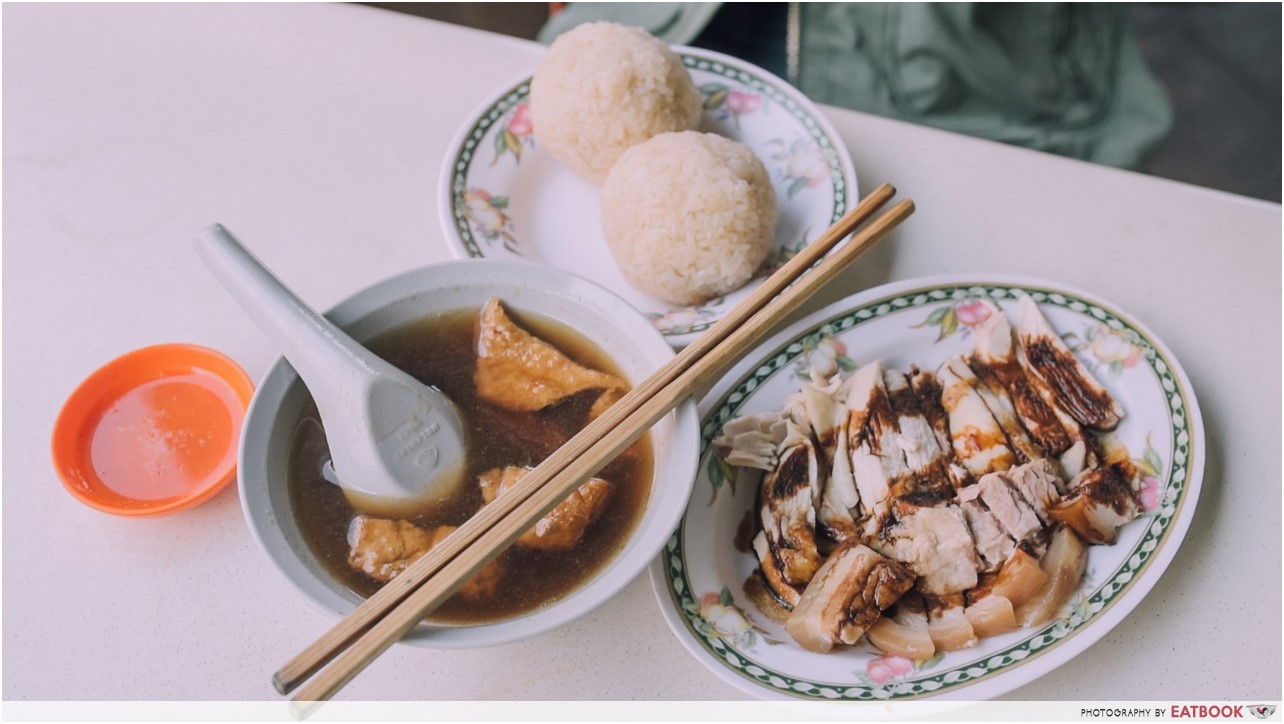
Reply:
x=152, y=432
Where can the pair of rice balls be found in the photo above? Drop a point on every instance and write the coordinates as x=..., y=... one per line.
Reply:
x=688, y=216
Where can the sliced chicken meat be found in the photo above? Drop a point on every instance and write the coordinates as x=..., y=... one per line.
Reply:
x=923, y=454
x=840, y=496
x=383, y=548
x=1000, y=406
x=786, y=545
x=1100, y=501
x=936, y=544
x=846, y=596
x=977, y=439
x=815, y=407
x=878, y=460
x=928, y=392
x=993, y=544
x=518, y=371
x=752, y=441
x=954, y=482
x=818, y=408
x=562, y=528
x=1013, y=514
x=1038, y=484
x=1076, y=390
x=996, y=361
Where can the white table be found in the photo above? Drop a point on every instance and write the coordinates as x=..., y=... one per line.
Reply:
x=316, y=132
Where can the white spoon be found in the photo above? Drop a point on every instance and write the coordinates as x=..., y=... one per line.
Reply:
x=394, y=441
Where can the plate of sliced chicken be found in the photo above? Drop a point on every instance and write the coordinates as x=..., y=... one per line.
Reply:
x=943, y=487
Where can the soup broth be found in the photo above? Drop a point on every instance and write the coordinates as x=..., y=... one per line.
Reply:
x=440, y=351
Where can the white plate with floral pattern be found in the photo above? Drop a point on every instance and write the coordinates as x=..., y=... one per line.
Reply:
x=699, y=577
x=502, y=196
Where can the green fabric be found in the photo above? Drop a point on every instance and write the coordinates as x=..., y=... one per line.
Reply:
x=1065, y=78
x=674, y=23
x=1061, y=77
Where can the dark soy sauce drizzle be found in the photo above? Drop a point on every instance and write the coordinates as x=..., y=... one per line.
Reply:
x=439, y=350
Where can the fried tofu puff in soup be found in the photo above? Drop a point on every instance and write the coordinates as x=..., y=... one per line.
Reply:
x=524, y=385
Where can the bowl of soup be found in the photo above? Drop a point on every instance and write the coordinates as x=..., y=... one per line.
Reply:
x=529, y=355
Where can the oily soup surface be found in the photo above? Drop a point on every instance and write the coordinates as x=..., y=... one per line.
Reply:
x=440, y=351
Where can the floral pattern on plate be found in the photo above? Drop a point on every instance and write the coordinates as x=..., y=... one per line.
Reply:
x=730, y=102
x=801, y=164
x=488, y=216
x=1109, y=348
x=884, y=670
x=1162, y=429
x=958, y=317
x=548, y=216
x=515, y=135
x=717, y=615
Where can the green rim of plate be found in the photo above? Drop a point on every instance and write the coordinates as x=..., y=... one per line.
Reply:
x=1041, y=640
x=498, y=109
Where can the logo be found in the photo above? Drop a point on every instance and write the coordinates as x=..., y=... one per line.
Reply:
x=1262, y=711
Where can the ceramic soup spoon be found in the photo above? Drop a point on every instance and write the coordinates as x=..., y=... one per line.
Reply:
x=394, y=441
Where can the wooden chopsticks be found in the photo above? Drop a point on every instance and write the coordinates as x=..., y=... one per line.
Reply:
x=375, y=625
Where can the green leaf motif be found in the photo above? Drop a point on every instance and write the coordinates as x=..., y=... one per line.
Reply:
x=936, y=316
x=715, y=472
x=704, y=628
x=797, y=185
x=929, y=663
x=724, y=597
x=513, y=143
x=715, y=94
x=949, y=324
x=1152, y=460
x=845, y=363
x=499, y=202
x=720, y=472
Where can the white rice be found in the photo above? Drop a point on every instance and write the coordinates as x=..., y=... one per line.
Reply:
x=688, y=216
x=602, y=88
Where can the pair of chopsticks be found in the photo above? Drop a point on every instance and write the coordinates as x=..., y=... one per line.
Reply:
x=427, y=583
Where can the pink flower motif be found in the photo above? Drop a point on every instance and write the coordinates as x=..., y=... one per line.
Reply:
x=1110, y=347
x=972, y=313
x=838, y=346
x=885, y=668
x=1149, y=493
x=519, y=124
x=741, y=103
x=708, y=600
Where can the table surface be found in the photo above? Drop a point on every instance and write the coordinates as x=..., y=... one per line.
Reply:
x=316, y=132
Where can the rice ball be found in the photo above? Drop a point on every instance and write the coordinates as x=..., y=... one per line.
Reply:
x=688, y=216
x=602, y=88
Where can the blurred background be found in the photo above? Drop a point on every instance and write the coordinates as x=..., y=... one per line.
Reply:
x=1186, y=91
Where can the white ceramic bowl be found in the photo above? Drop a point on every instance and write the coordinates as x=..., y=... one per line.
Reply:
x=622, y=332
